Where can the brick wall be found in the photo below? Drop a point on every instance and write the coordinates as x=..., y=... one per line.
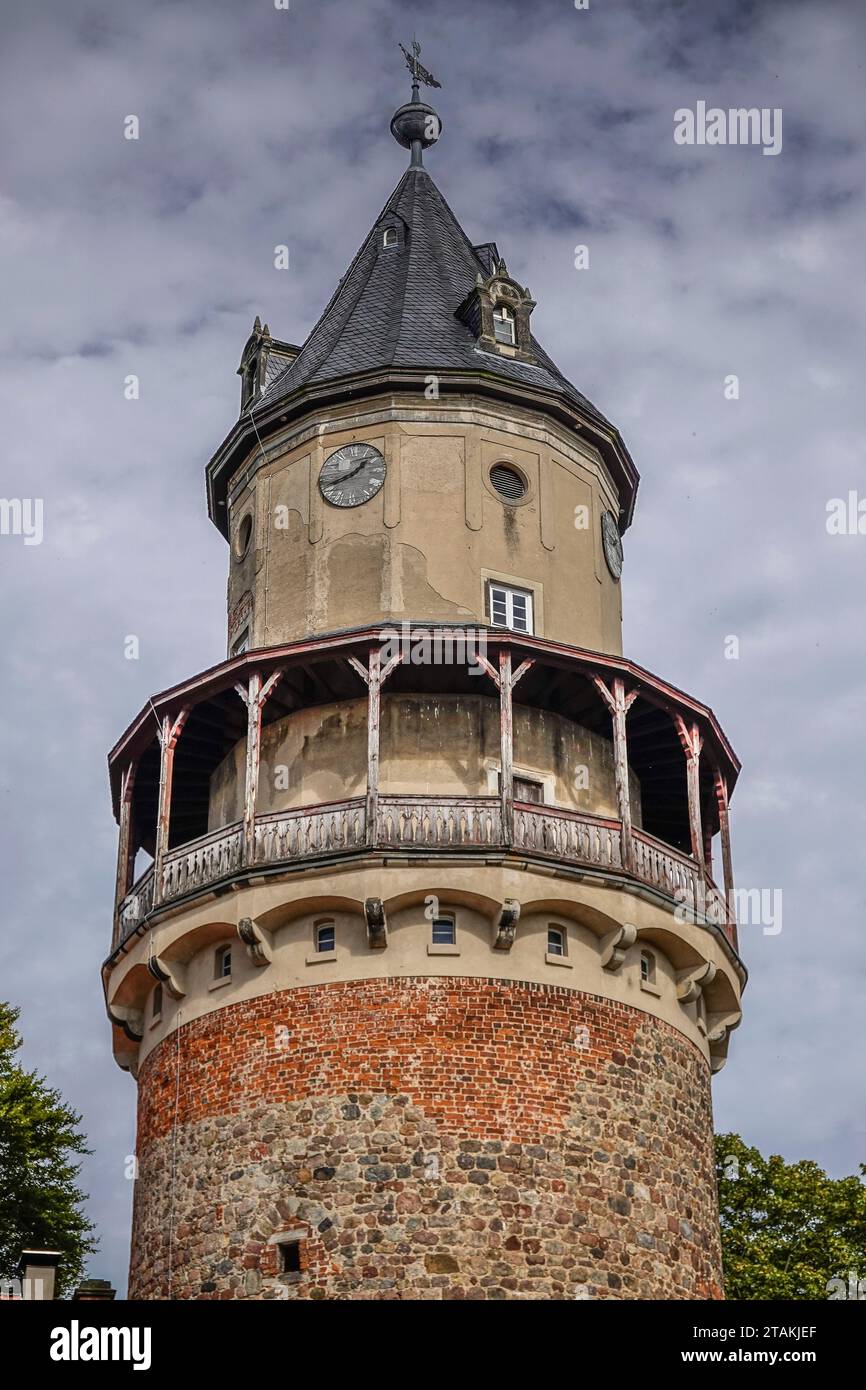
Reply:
x=427, y=1138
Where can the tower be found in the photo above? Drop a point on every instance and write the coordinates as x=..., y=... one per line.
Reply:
x=425, y=983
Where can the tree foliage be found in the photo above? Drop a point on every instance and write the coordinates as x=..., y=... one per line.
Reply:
x=788, y=1229
x=40, y=1203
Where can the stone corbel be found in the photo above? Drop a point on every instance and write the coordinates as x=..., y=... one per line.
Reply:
x=129, y=1019
x=170, y=974
x=505, y=925
x=377, y=924
x=615, y=945
x=720, y=1025
x=258, y=943
x=691, y=983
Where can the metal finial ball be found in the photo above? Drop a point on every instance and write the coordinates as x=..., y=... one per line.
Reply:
x=416, y=121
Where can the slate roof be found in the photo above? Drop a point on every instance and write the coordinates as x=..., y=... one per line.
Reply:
x=395, y=306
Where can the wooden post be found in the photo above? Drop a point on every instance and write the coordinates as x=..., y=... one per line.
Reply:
x=725, y=837
x=374, y=675
x=692, y=743
x=374, y=715
x=255, y=697
x=619, y=704
x=505, y=680
x=125, y=843
x=506, y=747
x=169, y=733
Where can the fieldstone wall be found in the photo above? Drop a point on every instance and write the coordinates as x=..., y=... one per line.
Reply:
x=426, y=1139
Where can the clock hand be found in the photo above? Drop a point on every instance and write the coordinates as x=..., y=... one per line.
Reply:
x=344, y=477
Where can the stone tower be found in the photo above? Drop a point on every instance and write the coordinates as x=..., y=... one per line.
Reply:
x=426, y=980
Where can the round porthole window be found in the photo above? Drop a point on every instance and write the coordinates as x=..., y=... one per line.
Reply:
x=243, y=535
x=510, y=484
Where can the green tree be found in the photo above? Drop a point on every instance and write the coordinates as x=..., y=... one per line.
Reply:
x=787, y=1229
x=40, y=1204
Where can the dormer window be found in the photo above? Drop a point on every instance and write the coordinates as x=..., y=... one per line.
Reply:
x=389, y=236
x=503, y=325
x=496, y=311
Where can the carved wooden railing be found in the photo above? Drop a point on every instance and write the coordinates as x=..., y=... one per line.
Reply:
x=202, y=861
x=571, y=835
x=310, y=831
x=435, y=822
x=135, y=906
x=440, y=821
x=679, y=877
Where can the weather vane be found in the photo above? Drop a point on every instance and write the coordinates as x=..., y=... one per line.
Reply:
x=417, y=68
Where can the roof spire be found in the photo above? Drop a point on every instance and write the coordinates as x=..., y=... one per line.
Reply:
x=416, y=125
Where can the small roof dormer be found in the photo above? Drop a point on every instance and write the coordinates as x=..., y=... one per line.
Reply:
x=262, y=361
x=497, y=311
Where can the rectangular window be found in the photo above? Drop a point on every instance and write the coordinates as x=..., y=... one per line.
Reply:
x=525, y=789
x=223, y=963
x=503, y=325
x=156, y=1009
x=647, y=966
x=511, y=608
x=290, y=1256
x=444, y=931
x=555, y=941
x=241, y=643
x=326, y=937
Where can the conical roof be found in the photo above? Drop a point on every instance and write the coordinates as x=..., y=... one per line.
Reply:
x=396, y=306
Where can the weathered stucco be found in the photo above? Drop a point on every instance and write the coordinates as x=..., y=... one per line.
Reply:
x=447, y=745
x=312, y=567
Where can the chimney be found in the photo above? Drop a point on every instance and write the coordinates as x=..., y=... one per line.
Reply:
x=37, y=1270
x=94, y=1291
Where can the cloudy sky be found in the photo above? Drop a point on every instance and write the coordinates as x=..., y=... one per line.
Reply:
x=152, y=257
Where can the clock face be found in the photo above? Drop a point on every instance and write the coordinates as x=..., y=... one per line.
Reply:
x=352, y=475
x=612, y=542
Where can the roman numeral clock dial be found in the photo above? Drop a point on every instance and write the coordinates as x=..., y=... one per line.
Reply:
x=352, y=475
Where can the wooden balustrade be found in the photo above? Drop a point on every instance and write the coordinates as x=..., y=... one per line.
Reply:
x=570, y=835
x=135, y=906
x=202, y=861
x=443, y=821
x=434, y=822
x=310, y=831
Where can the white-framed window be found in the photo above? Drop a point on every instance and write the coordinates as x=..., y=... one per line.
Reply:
x=241, y=643
x=223, y=963
x=444, y=932
x=503, y=325
x=326, y=936
x=389, y=236
x=555, y=941
x=647, y=968
x=510, y=607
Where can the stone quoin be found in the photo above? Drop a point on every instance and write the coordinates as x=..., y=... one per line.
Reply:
x=420, y=959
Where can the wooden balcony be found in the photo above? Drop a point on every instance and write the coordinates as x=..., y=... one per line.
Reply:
x=430, y=824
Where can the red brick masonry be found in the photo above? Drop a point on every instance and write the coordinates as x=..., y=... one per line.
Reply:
x=429, y=1138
